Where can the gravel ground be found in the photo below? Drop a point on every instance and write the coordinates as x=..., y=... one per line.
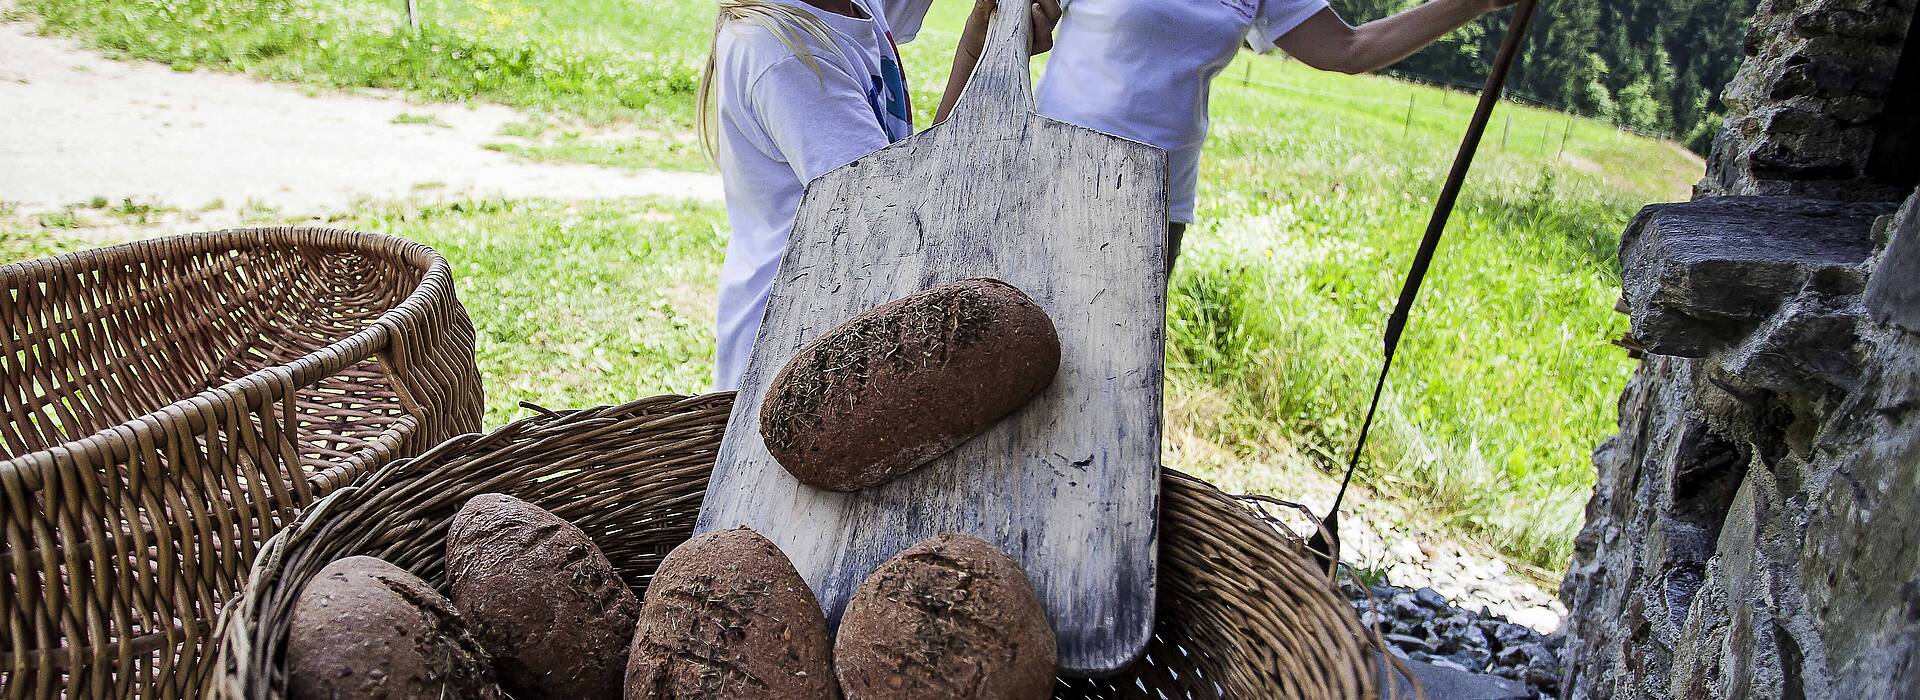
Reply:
x=1383, y=540
x=1422, y=625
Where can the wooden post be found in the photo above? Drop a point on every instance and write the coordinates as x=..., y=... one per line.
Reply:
x=413, y=17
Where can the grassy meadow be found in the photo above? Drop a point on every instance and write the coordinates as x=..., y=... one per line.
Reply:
x=1315, y=190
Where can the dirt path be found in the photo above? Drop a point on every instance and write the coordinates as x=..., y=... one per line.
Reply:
x=75, y=125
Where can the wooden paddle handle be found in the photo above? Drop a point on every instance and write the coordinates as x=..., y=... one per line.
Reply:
x=1001, y=84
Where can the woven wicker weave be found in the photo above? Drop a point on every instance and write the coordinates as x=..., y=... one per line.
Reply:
x=1243, y=614
x=171, y=403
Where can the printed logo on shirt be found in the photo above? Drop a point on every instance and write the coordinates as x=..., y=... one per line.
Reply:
x=888, y=95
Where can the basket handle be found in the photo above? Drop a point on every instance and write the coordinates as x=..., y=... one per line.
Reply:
x=1001, y=83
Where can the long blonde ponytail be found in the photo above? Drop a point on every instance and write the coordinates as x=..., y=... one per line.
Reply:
x=787, y=24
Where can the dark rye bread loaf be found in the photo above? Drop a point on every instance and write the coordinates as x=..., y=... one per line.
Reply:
x=728, y=618
x=904, y=382
x=364, y=628
x=542, y=599
x=948, y=618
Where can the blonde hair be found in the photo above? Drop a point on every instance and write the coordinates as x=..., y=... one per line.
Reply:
x=785, y=22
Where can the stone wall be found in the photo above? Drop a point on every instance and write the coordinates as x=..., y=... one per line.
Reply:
x=1811, y=100
x=1755, y=528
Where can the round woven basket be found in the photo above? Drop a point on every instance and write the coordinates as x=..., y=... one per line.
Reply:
x=1243, y=613
x=171, y=403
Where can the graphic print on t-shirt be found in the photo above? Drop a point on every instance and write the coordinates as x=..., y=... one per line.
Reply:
x=891, y=104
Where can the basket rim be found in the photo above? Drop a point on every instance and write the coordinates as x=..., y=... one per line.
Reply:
x=248, y=628
x=272, y=383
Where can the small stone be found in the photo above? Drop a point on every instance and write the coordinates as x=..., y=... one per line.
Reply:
x=1542, y=680
x=1509, y=633
x=1404, y=606
x=1537, y=618
x=1514, y=656
x=1444, y=662
x=1430, y=598
x=1409, y=643
x=1472, y=636
x=1469, y=660
x=1405, y=551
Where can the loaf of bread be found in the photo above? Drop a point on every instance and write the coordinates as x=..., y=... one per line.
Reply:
x=542, y=599
x=728, y=618
x=950, y=618
x=904, y=382
x=364, y=628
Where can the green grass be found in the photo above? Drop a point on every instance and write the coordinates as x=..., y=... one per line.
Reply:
x=26, y=240
x=410, y=119
x=575, y=304
x=1315, y=190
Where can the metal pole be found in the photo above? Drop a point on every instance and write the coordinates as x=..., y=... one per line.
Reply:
x=1327, y=540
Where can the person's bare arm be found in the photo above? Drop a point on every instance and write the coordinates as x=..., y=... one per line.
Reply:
x=973, y=40
x=1327, y=42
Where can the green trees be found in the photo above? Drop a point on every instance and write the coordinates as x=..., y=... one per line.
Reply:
x=1650, y=65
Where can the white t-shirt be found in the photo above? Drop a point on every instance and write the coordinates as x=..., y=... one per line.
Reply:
x=781, y=124
x=1140, y=69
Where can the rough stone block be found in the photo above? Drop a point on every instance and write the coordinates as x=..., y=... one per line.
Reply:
x=1893, y=291
x=1699, y=276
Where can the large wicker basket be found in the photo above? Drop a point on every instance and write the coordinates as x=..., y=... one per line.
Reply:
x=1243, y=613
x=171, y=403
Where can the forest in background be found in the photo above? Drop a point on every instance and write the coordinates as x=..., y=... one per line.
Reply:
x=1654, y=66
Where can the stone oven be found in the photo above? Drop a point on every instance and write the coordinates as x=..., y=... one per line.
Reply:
x=1755, y=528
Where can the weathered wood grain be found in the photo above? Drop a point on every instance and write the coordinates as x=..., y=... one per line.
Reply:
x=1068, y=485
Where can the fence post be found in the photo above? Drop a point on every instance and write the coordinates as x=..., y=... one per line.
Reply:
x=413, y=16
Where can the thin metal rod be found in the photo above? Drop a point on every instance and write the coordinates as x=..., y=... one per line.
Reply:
x=1442, y=210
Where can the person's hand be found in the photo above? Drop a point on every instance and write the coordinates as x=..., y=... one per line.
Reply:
x=1045, y=14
